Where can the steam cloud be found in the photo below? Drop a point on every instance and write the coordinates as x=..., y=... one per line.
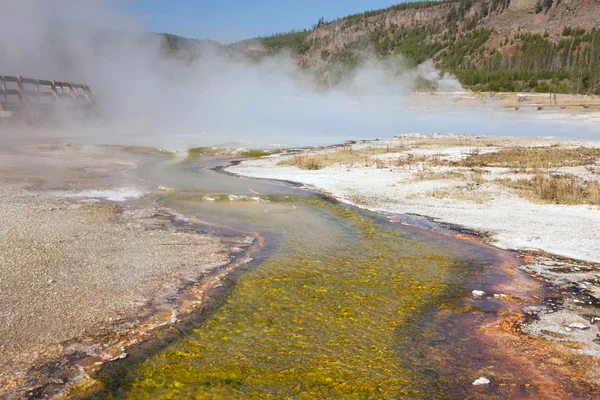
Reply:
x=221, y=96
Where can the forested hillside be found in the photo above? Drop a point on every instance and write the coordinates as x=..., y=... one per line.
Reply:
x=496, y=45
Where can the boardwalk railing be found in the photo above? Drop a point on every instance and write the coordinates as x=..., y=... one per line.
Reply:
x=28, y=97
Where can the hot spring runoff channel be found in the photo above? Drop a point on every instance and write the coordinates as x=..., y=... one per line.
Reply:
x=342, y=303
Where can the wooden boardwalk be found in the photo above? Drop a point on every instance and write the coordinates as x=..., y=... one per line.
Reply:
x=33, y=98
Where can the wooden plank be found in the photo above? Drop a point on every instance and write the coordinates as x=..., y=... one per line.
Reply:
x=46, y=94
x=39, y=94
x=29, y=81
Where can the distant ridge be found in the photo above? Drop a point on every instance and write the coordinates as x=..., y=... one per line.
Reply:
x=497, y=45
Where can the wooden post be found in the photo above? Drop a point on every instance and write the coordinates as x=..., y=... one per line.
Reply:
x=22, y=98
x=72, y=91
x=88, y=93
x=4, y=90
x=53, y=90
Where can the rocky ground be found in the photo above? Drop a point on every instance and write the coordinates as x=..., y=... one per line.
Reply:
x=81, y=276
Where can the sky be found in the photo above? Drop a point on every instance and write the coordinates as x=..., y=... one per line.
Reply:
x=228, y=21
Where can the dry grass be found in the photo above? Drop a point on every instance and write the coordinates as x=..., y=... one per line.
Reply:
x=543, y=186
x=557, y=189
x=533, y=158
x=463, y=193
x=513, y=157
x=473, y=176
x=456, y=142
x=346, y=156
x=217, y=151
x=304, y=162
x=440, y=176
x=412, y=159
x=254, y=153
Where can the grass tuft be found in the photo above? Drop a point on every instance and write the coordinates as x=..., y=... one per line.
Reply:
x=254, y=153
x=463, y=193
x=557, y=189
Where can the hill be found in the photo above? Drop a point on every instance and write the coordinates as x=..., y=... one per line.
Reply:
x=495, y=45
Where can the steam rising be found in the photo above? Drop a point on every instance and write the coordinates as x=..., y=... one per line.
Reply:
x=149, y=97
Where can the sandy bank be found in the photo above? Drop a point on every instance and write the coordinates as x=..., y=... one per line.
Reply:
x=443, y=193
x=79, y=275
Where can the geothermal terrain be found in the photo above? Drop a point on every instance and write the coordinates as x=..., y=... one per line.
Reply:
x=85, y=267
x=92, y=265
x=536, y=195
x=96, y=272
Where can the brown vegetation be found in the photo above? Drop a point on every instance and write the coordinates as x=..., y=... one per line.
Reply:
x=558, y=189
x=533, y=157
x=546, y=184
x=454, y=142
x=470, y=192
x=472, y=175
x=217, y=151
x=346, y=156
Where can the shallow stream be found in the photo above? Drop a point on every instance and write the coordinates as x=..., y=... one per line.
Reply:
x=342, y=303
